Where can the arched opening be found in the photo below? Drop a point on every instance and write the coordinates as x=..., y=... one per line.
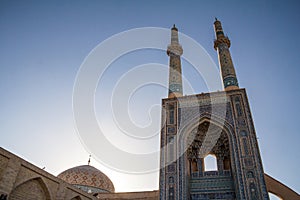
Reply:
x=210, y=163
x=203, y=157
x=208, y=151
x=31, y=189
x=273, y=196
x=279, y=189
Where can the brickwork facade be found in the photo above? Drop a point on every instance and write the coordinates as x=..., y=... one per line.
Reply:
x=20, y=180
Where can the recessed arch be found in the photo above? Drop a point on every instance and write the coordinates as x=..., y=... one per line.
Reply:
x=196, y=121
x=184, y=132
x=31, y=189
x=227, y=132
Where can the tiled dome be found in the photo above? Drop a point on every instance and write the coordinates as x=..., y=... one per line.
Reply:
x=88, y=178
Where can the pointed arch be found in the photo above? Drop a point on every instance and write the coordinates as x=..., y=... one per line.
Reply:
x=184, y=141
x=30, y=189
x=279, y=189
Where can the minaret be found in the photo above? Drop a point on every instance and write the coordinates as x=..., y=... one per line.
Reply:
x=175, y=77
x=222, y=44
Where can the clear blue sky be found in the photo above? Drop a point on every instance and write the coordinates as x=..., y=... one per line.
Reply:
x=43, y=44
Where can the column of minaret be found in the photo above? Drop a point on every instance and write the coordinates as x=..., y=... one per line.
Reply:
x=175, y=77
x=221, y=44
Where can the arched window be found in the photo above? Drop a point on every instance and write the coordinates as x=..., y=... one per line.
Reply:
x=273, y=196
x=210, y=163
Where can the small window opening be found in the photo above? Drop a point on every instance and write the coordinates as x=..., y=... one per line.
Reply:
x=210, y=163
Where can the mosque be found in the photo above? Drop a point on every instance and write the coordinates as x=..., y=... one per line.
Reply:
x=195, y=128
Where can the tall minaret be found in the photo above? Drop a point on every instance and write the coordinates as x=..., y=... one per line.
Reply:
x=175, y=77
x=222, y=44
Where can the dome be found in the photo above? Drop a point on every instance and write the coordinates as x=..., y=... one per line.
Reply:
x=88, y=178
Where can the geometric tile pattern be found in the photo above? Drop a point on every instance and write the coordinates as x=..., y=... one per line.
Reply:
x=88, y=176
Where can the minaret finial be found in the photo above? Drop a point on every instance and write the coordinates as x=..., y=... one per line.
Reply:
x=174, y=27
x=89, y=161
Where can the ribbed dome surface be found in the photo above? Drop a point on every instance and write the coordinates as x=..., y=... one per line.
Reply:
x=86, y=175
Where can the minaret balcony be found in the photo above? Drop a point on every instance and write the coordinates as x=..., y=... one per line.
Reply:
x=175, y=49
